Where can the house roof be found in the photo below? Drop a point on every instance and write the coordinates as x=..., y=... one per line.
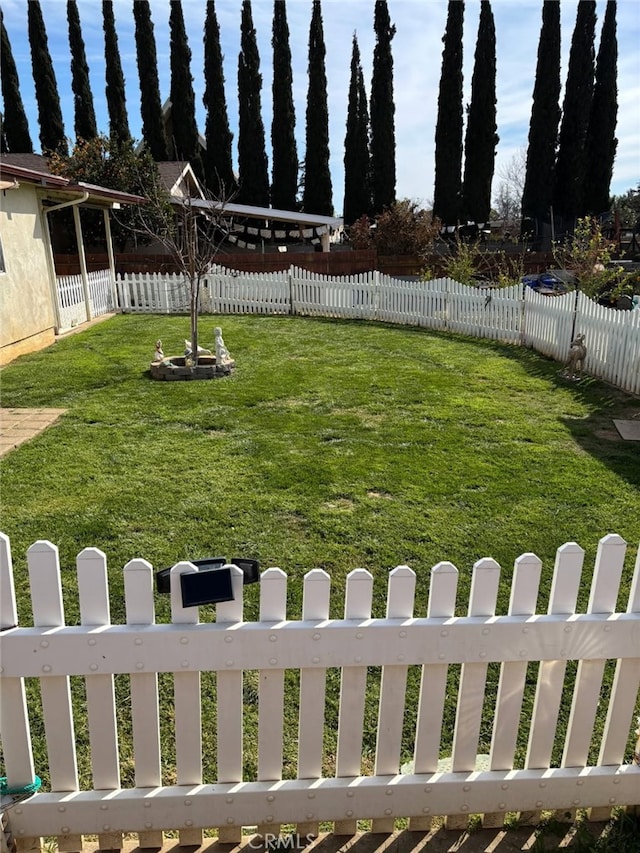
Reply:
x=42, y=177
x=29, y=174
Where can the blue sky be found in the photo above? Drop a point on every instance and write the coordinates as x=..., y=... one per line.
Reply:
x=417, y=52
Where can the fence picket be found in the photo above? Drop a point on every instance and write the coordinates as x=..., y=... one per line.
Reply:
x=473, y=676
x=433, y=685
x=229, y=701
x=273, y=605
x=524, y=593
x=586, y=694
x=145, y=715
x=315, y=608
x=353, y=686
x=46, y=599
x=138, y=585
x=623, y=691
x=101, y=707
x=186, y=701
x=13, y=705
x=401, y=591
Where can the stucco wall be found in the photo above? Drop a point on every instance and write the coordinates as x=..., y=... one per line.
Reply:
x=26, y=311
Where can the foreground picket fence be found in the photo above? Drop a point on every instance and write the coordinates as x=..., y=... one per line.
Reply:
x=513, y=314
x=528, y=645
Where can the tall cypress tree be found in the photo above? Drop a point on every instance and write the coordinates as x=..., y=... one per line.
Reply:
x=116, y=99
x=481, y=137
x=448, y=155
x=601, y=138
x=15, y=127
x=357, y=165
x=84, y=114
x=252, y=157
x=4, y=147
x=186, y=145
x=52, y=137
x=217, y=161
x=318, y=194
x=383, y=142
x=150, y=102
x=537, y=194
x=570, y=163
x=284, y=186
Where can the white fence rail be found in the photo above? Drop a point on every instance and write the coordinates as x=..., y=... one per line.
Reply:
x=72, y=302
x=527, y=645
x=513, y=314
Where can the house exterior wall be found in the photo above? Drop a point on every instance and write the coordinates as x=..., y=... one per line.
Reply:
x=26, y=311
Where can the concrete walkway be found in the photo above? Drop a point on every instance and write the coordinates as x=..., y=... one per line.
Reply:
x=20, y=425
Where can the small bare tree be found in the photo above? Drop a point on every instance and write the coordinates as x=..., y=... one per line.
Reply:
x=191, y=231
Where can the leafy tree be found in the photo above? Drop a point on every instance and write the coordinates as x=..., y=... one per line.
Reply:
x=318, y=193
x=402, y=229
x=481, y=136
x=588, y=253
x=252, y=157
x=217, y=160
x=84, y=114
x=185, y=143
x=628, y=207
x=570, y=162
x=537, y=194
x=448, y=153
x=116, y=98
x=191, y=237
x=284, y=175
x=383, y=142
x=52, y=136
x=601, y=139
x=357, y=165
x=150, y=102
x=106, y=162
x=15, y=126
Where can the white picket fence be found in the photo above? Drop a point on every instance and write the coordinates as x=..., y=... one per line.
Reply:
x=513, y=314
x=72, y=305
x=528, y=646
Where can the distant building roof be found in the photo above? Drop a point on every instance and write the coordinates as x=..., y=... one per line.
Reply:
x=179, y=178
x=267, y=213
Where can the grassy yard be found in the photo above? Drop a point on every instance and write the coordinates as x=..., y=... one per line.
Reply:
x=334, y=445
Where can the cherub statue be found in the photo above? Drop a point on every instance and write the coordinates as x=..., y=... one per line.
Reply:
x=158, y=354
x=575, y=361
x=222, y=353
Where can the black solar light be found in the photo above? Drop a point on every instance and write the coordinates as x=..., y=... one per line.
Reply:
x=206, y=587
x=163, y=579
x=250, y=569
x=209, y=590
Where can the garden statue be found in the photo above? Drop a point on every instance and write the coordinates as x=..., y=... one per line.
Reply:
x=222, y=353
x=158, y=355
x=188, y=349
x=575, y=361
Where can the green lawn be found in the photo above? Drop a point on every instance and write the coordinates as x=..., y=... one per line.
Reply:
x=334, y=445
